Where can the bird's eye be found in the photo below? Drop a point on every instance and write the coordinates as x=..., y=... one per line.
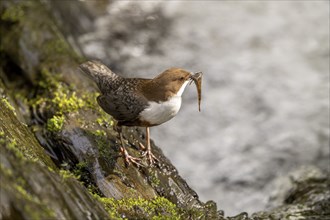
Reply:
x=181, y=78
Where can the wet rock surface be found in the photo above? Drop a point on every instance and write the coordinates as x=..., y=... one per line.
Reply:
x=59, y=152
x=303, y=194
x=32, y=187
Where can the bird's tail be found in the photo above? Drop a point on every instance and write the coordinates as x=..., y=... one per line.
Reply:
x=99, y=72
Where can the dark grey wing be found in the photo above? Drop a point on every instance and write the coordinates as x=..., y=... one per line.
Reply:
x=123, y=108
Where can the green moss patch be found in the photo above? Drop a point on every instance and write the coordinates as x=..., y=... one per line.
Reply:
x=64, y=99
x=8, y=105
x=138, y=208
x=14, y=13
x=55, y=123
x=16, y=137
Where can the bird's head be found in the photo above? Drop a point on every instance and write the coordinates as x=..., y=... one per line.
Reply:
x=174, y=80
x=171, y=82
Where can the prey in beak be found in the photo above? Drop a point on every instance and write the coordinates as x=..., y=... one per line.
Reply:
x=197, y=79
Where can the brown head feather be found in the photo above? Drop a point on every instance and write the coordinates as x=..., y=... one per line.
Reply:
x=166, y=84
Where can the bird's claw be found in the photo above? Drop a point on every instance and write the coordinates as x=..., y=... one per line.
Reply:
x=130, y=159
x=152, y=159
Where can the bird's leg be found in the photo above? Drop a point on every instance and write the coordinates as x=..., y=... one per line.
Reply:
x=150, y=156
x=127, y=158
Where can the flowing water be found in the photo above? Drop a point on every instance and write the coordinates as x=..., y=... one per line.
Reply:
x=265, y=104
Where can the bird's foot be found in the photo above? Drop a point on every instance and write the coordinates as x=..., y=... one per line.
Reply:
x=130, y=159
x=152, y=159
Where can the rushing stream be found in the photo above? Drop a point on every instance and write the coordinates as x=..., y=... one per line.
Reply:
x=265, y=105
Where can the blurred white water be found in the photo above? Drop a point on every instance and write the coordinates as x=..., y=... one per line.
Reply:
x=265, y=106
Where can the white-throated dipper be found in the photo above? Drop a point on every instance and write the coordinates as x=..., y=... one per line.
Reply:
x=140, y=102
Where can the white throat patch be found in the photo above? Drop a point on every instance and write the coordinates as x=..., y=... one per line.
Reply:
x=158, y=113
x=182, y=88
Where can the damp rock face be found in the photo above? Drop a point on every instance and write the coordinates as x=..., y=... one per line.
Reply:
x=60, y=153
x=32, y=187
x=303, y=194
